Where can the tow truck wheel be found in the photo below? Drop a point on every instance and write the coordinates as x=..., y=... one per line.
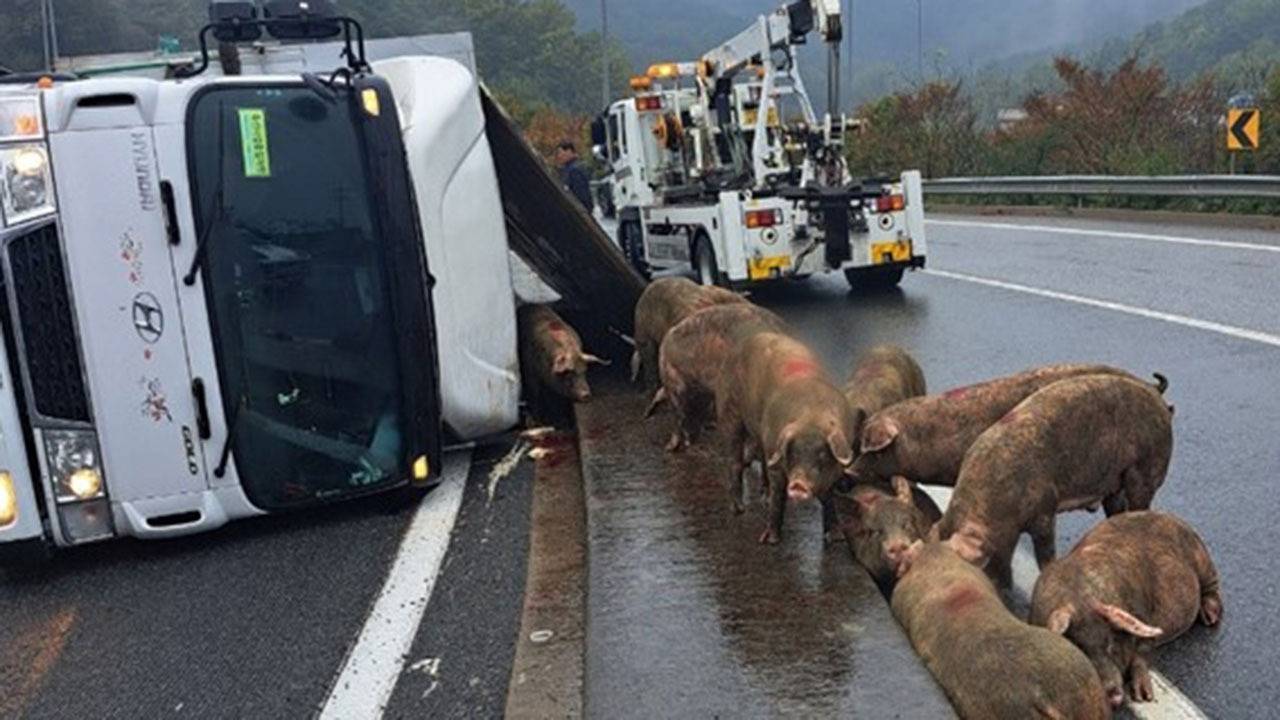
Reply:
x=704, y=263
x=633, y=247
x=874, y=279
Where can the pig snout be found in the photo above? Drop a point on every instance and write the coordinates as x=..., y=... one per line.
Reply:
x=1115, y=696
x=800, y=490
x=895, y=550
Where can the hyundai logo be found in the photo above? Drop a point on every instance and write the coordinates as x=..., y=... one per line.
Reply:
x=148, y=317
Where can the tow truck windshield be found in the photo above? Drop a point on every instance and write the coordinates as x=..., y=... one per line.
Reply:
x=298, y=290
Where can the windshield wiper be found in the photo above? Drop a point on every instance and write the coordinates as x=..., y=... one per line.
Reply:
x=219, y=212
x=233, y=422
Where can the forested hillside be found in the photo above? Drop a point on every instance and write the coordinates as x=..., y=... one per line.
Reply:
x=529, y=50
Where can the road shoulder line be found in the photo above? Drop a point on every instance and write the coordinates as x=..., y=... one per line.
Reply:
x=1220, y=328
x=548, y=671
x=369, y=674
x=1148, y=237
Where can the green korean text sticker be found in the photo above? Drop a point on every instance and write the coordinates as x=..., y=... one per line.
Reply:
x=253, y=143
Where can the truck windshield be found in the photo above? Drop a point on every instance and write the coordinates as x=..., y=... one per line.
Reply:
x=297, y=285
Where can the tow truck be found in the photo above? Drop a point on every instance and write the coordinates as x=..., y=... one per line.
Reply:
x=722, y=166
x=225, y=296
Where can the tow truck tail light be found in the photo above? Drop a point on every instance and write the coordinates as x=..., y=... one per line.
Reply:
x=890, y=203
x=649, y=102
x=763, y=219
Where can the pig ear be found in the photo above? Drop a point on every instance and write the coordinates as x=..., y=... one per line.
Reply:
x=902, y=488
x=1060, y=619
x=878, y=435
x=841, y=448
x=784, y=441
x=1123, y=621
x=969, y=548
x=593, y=360
x=562, y=363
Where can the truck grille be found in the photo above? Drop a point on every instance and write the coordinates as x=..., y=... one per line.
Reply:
x=49, y=346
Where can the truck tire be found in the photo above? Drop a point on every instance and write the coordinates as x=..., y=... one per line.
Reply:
x=705, y=268
x=874, y=279
x=632, y=242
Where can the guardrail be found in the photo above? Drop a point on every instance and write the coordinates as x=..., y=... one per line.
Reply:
x=1253, y=186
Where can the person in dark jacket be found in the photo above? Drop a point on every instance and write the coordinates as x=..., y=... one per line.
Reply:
x=572, y=176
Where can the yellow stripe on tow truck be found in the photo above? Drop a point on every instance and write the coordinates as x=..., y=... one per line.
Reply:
x=762, y=268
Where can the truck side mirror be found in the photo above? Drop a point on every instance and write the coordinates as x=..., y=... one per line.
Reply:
x=598, y=135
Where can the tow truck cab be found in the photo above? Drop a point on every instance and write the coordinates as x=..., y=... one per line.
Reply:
x=216, y=303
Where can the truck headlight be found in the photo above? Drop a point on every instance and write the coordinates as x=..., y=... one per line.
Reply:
x=8, y=500
x=26, y=185
x=74, y=468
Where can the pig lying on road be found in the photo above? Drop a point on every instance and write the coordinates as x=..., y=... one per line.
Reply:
x=886, y=375
x=551, y=359
x=879, y=526
x=1135, y=581
x=692, y=358
x=989, y=663
x=664, y=303
x=775, y=400
x=1078, y=443
x=925, y=438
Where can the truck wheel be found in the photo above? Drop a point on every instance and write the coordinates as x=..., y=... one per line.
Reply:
x=632, y=242
x=704, y=263
x=874, y=279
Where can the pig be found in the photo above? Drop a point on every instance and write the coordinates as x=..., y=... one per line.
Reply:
x=988, y=662
x=776, y=401
x=1135, y=581
x=665, y=302
x=925, y=438
x=692, y=358
x=551, y=359
x=884, y=376
x=1078, y=443
x=879, y=526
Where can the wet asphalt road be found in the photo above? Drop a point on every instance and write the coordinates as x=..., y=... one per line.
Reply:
x=255, y=620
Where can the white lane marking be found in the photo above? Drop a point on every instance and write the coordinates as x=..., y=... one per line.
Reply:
x=1174, y=239
x=369, y=675
x=1170, y=703
x=1230, y=330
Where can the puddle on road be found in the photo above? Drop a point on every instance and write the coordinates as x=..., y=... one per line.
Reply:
x=689, y=615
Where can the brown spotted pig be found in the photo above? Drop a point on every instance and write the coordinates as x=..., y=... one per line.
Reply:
x=776, y=402
x=990, y=664
x=692, y=359
x=879, y=526
x=1078, y=443
x=551, y=359
x=1135, y=581
x=665, y=302
x=884, y=376
x=925, y=438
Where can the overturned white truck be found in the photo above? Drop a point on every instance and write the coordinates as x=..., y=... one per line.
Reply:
x=229, y=296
